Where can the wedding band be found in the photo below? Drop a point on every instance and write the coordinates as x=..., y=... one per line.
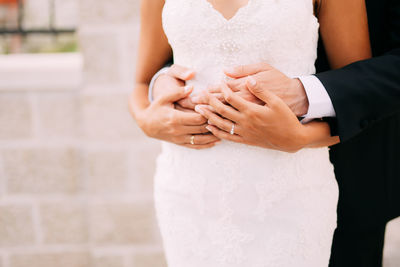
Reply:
x=192, y=140
x=232, y=132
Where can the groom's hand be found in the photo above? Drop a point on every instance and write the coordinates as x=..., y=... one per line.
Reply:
x=291, y=91
x=272, y=125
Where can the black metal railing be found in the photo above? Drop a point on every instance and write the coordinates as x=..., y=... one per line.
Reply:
x=19, y=28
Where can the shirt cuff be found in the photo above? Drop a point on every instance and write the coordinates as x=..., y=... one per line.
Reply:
x=153, y=80
x=320, y=104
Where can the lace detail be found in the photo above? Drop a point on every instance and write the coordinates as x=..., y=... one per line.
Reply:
x=235, y=205
x=238, y=13
x=228, y=240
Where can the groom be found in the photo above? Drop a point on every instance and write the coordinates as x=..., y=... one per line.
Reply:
x=361, y=102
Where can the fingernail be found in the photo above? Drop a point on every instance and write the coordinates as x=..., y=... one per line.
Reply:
x=199, y=109
x=209, y=128
x=188, y=73
x=252, y=81
x=209, y=122
x=187, y=88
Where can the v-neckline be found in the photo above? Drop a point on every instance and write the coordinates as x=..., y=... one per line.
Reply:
x=238, y=11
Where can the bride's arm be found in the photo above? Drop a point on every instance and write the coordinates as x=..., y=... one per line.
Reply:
x=160, y=119
x=344, y=32
x=154, y=51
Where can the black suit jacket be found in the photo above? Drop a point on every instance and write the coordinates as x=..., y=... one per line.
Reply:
x=366, y=98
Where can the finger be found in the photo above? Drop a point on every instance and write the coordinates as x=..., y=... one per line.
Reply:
x=202, y=139
x=224, y=135
x=200, y=129
x=175, y=95
x=219, y=96
x=248, y=96
x=237, y=84
x=181, y=72
x=189, y=118
x=215, y=88
x=225, y=110
x=218, y=107
x=234, y=99
x=216, y=120
x=224, y=124
x=246, y=70
x=201, y=98
x=265, y=95
x=180, y=108
x=186, y=103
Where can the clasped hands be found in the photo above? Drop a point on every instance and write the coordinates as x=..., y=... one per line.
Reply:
x=261, y=102
x=247, y=105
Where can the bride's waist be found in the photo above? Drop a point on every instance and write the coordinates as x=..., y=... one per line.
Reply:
x=230, y=151
x=248, y=163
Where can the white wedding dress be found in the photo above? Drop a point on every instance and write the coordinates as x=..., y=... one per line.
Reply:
x=236, y=205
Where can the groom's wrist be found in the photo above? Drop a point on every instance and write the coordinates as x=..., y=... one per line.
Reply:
x=300, y=102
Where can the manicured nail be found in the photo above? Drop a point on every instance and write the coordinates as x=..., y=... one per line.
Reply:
x=187, y=88
x=252, y=81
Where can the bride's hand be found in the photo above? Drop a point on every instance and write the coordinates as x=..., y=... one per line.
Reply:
x=161, y=120
x=272, y=126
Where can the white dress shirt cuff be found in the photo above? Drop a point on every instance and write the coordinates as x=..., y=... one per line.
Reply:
x=320, y=104
x=153, y=80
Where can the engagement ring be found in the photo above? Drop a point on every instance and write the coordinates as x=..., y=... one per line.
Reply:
x=233, y=129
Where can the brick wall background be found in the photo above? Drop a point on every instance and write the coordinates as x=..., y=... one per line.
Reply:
x=75, y=171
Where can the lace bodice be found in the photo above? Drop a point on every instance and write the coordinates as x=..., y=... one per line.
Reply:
x=283, y=33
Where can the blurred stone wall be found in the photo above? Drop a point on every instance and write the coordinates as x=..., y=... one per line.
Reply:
x=75, y=171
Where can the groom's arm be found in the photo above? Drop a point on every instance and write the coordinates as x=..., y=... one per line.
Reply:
x=363, y=93
x=366, y=91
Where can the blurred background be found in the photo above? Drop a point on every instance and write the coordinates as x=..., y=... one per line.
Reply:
x=75, y=171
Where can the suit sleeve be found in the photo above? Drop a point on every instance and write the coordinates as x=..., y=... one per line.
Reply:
x=366, y=91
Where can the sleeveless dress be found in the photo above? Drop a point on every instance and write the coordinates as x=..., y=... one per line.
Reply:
x=236, y=205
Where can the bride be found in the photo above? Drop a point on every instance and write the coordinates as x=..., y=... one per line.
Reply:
x=232, y=204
